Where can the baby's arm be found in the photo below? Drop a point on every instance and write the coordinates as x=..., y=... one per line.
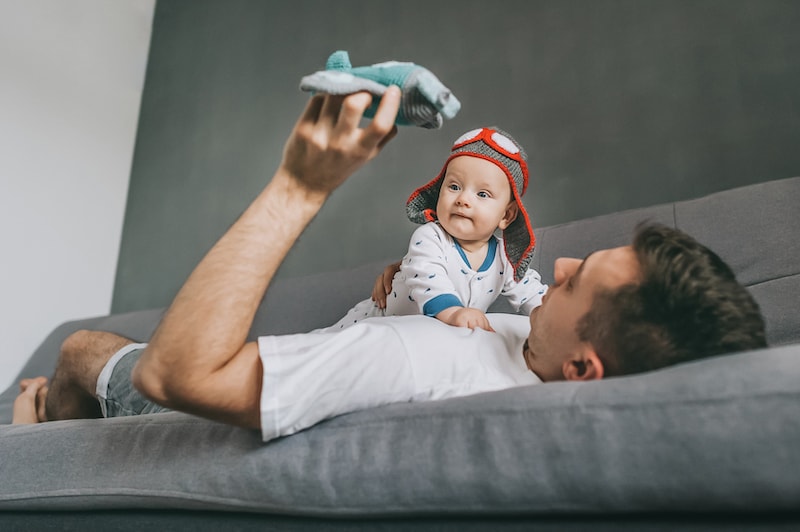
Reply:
x=526, y=294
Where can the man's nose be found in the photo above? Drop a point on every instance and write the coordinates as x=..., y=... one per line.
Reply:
x=564, y=268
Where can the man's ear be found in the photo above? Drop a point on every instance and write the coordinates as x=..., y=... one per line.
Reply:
x=510, y=215
x=584, y=366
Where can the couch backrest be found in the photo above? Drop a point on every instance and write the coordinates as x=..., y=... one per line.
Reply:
x=755, y=229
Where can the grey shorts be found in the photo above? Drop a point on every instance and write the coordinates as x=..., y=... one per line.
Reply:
x=115, y=390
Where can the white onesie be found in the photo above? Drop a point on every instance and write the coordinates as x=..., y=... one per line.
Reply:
x=435, y=275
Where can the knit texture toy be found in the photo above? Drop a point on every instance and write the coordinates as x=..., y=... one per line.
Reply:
x=425, y=101
x=500, y=148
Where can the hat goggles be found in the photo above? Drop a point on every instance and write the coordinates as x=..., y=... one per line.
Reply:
x=493, y=138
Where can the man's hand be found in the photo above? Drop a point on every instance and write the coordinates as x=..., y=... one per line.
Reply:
x=327, y=145
x=383, y=284
x=465, y=317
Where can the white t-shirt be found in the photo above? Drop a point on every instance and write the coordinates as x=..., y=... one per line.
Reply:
x=314, y=376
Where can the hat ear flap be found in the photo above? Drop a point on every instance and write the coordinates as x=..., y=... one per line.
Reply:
x=421, y=205
x=519, y=242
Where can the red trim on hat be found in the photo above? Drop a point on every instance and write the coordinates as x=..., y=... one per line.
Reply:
x=485, y=135
x=423, y=188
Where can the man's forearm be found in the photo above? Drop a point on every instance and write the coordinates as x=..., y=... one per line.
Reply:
x=215, y=308
x=198, y=360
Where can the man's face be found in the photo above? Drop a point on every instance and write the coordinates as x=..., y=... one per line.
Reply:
x=553, y=341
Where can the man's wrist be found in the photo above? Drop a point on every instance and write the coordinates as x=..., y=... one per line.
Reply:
x=297, y=191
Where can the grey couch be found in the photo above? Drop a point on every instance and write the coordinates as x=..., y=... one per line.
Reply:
x=714, y=442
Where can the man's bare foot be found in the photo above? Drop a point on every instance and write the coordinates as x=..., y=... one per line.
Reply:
x=29, y=404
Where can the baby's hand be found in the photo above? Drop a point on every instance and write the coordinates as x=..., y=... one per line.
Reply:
x=465, y=317
x=383, y=284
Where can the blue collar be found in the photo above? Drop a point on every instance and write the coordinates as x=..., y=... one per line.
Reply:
x=487, y=262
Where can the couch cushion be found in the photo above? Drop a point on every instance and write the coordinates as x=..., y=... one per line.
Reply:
x=716, y=435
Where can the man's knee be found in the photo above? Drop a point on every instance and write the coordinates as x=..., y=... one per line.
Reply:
x=72, y=390
x=75, y=345
x=84, y=354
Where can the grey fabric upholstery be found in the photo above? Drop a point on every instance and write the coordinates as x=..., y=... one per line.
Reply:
x=716, y=435
x=756, y=230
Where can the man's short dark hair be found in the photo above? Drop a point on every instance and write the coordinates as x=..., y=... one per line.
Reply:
x=686, y=305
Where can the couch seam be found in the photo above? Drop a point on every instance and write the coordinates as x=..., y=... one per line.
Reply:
x=787, y=276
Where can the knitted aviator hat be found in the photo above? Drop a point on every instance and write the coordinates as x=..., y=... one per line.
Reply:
x=498, y=147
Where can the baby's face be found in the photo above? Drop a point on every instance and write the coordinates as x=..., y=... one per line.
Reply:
x=475, y=199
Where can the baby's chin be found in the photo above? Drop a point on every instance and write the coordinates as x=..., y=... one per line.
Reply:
x=455, y=229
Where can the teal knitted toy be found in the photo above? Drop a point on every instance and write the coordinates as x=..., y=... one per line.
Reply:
x=425, y=99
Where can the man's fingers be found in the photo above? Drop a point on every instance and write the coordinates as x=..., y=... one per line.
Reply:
x=380, y=130
x=387, y=138
x=313, y=108
x=387, y=283
x=352, y=110
x=388, y=276
x=378, y=292
x=383, y=284
x=331, y=107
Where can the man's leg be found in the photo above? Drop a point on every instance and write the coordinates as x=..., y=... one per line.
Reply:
x=71, y=394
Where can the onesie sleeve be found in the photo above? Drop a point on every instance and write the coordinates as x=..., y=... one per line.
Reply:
x=425, y=271
x=526, y=294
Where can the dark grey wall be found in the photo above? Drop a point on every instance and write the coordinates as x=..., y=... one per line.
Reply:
x=620, y=104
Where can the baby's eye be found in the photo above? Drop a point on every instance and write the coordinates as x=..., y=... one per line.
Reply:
x=483, y=194
x=452, y=186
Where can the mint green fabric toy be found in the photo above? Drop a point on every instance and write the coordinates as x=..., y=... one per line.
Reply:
x=425, y=99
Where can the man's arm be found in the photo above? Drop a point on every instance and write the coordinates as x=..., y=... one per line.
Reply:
x=198, y=360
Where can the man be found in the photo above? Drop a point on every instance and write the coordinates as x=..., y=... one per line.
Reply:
x=663, y=300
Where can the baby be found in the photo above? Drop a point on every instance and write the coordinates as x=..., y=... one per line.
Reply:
x=456, y=266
